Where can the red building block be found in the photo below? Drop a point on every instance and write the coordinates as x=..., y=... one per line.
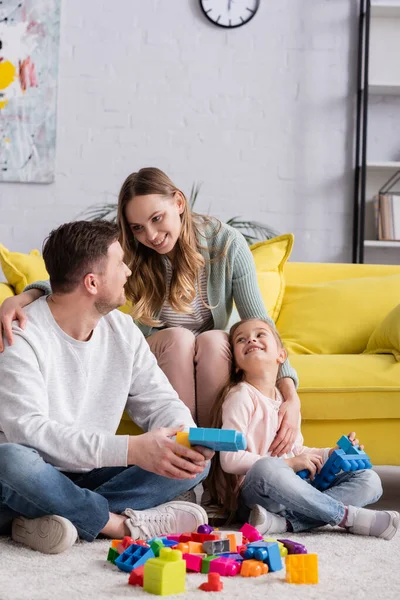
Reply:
x=124, y=544
x=214, y=583
x=136, y=576
x=204, y=537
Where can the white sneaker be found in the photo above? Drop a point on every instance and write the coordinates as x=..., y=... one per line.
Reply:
x=172, y=517
x=50, y=534
x=265, y=521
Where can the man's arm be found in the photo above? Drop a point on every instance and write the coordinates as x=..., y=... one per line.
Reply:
x=24, y=417
x=152, y=400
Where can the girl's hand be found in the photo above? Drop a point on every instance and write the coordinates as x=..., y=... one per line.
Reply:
x=288, y=425
x=11, y=310
x=311, y=462
x=353, y=440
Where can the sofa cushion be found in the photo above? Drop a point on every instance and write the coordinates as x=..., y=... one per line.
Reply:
x=335, y=317
x=22, y=269
x=270, y=257
x=6, y=291
x=385, y=339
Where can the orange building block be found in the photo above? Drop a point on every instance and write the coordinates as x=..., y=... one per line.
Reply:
x=302, y=568
x=253, y=568
x=190, y=547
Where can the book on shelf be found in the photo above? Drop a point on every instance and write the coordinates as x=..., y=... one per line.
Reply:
x=388, y=215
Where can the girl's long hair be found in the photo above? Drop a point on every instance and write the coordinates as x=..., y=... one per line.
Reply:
x=217, y=475
x=146, y=287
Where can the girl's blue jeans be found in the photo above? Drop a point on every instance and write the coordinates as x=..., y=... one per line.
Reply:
x=274, y=485
x=33, y=488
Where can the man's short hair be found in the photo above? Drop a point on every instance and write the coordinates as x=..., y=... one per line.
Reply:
x=73, y=249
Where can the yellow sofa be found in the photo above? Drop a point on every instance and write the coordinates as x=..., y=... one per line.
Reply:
x=326, y=314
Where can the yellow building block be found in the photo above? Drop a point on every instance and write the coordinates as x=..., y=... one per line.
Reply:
x=166, y=574
x=302, y=568
x=283, y=551
x=182, y=437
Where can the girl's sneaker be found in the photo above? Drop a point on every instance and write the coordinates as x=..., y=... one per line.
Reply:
x=266, y=522
x=377, y=523
x=50, y=534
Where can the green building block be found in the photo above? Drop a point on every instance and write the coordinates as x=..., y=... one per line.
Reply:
x=205, y=563
x=112, y=555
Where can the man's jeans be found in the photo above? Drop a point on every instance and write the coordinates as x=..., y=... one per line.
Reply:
x=271, y=483
x=33, y=488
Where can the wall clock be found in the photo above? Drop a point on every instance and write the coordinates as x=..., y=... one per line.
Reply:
x=229, y=13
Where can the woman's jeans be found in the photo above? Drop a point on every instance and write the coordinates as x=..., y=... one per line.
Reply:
x=33, y=488
x=274, y=485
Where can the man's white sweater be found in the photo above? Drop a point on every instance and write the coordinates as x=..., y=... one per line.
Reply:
x=65, y=398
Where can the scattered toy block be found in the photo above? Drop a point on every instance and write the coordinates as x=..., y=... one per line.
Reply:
x=205, y=528
x=156, y=546
x=251, y=533
x=293, y=547
x=190, y=547
x=124, y=544
x=133, y=557
x=174, y=538
x=114, y=543
x=213, y=584
x=265, y=552
x=193, y=562
x=112, y=555
x=185, y=537
x=219, y=440
x=302, y=568
x=205, y=564
x=204, y=537
x=225, y=567
x=136, y=576
x=253, y=568
x=216, y=546
x=283, y=551
x=166, y=574
x=231, y=555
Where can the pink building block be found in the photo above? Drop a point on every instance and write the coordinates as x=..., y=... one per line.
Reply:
x=193, y=562
x=174, y=538
x=224, y=566
x=252, y=534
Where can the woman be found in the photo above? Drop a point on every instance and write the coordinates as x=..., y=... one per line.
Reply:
x=187, y=270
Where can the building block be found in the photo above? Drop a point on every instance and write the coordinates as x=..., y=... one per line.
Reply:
x=204, y=537
x=156, y=546
x=190, y=547
x=220, y=440
x=174, y=538
x=182, y=437
x=133, y=557
x=124, y=544
x=253, y=568
x=229, y=534
x=251, y=533
x=114, y=543
x=205, y=528
x=217, y=546
x=225, y=567
x=345, y=444
x=166, y=574
x=302, y=568
x=293, y=547
x=193, y=562
x=213, y=584
x=185, y=537
x=136, y=576
x=112, y=555
x=266, y=552
x=164, y=540
x=283, y=551
x=232, y=556
x=205, y=564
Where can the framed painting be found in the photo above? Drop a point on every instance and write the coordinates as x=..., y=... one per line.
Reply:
x=29, y=42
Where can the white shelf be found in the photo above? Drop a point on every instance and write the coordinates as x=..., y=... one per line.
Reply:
x=388, y=9
x=384, y=165
x=381, y=244
x=389, y=89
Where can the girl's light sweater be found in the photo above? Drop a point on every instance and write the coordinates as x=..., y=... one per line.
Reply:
x=247, y=410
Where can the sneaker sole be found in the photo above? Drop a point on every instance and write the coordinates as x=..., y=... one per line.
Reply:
x=393, y=526
x=50, y=535
x=201, y=516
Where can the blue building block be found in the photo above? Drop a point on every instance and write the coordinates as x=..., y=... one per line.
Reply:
x=267, y=552
x=220, y=440
x=304, y=473
x=232, y=556
x=166, y=542
x=345, y=444
x=133, y=557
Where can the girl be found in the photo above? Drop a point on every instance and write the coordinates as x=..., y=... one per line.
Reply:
x=280, y=500
x=187, y=270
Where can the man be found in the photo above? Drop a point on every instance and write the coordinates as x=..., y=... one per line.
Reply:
x=65, y=383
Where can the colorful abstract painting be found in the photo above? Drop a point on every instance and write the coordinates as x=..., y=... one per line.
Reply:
x=29, y=41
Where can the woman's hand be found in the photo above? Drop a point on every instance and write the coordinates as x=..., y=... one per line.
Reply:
x=311, y=462
x=288, y=423
x=11, y=310
x=353, y=440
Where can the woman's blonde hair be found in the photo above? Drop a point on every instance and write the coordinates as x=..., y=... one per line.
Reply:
x=146, y=287
x=229, y=500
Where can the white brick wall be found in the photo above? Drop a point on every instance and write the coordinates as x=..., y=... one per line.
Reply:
x=262, y=115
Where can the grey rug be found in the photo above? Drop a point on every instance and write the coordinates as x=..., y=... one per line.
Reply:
x=350, y=567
